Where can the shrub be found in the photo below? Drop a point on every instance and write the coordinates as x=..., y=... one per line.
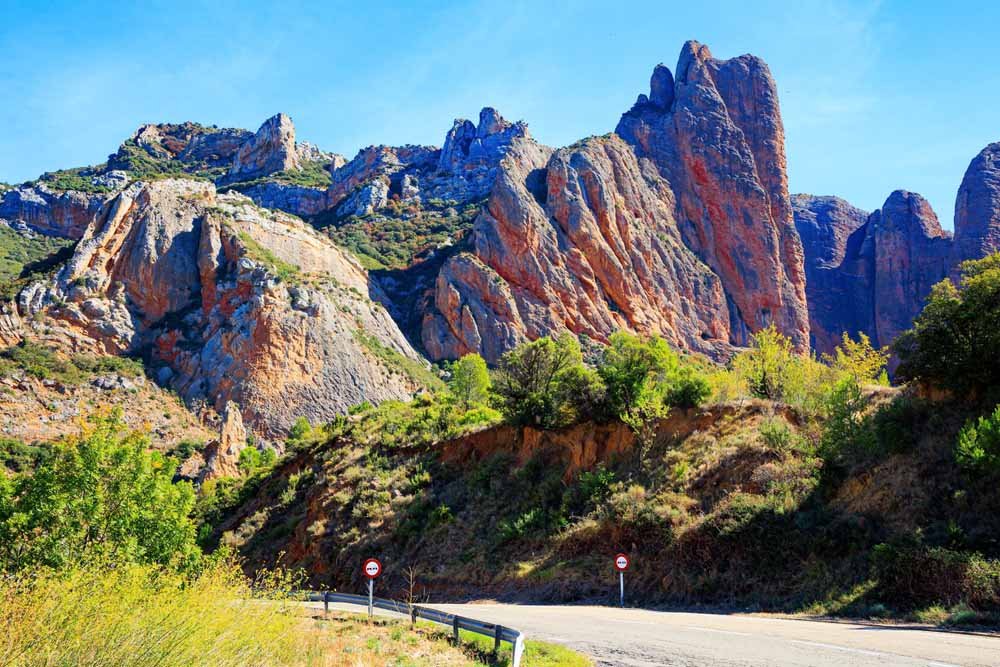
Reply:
x=978, y=446
x=470, y=380
x=102, y=495
x=913, y=575
x=954, y=340
x=846, y=433
x=534, y=382
x=859, y=360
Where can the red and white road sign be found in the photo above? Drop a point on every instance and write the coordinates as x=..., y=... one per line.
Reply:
x=621, y=562
x=372, y=568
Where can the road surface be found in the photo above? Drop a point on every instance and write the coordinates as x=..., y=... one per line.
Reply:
x=641, y=638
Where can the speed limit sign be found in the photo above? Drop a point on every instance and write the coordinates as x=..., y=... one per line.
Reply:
x=372, y=568
x=621, y=562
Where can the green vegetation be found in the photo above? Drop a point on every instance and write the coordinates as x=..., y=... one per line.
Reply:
x=44, y=364
x=401, y=235
x=18, y=251
x=281, y=269
x=470, y=380
x=978, y=447
x=311, y=175
x=79, y=179
x=101, y=496
x=414, y=369
x=953, y=343
x=18, y=457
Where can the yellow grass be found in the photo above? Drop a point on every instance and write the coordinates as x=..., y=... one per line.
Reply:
x=138, y=615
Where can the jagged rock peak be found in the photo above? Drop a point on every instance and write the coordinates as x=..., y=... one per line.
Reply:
x=977, y=206
x=270, y=150
x=467, y=146
x=911, y=214
x=715, y=132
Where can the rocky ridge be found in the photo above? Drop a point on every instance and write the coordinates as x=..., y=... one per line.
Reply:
x=228, y=302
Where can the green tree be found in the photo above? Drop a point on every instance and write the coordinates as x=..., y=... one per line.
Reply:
x=470, y=380
x=533, y=382
x=300, y=429
x=954, y=341
x=978, y=446
x=101, y=495
x=859, y=360
x=634, y=371
x=766, y=366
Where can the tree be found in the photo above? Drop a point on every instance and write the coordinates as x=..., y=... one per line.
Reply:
x=859, y=360
x=766, y=365
x=954, y=341
x=978, y=446
x=470, y=380
x=533, y=382
x=101, y=495
x=634, y=370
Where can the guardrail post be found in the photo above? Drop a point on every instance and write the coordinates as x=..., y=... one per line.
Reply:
x=413, y=615
x=454, y=625
x=326, y=603
x=497, y=633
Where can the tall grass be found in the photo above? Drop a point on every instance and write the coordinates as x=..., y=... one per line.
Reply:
x=144, y=615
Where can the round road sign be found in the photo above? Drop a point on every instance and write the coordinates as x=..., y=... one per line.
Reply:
x=372, y=568
x=621, y=562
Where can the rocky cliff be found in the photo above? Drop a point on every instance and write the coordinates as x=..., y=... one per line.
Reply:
x=679, y=225
x=582, y=239
x=228, y=302
x=872, y=274
x=716, y=135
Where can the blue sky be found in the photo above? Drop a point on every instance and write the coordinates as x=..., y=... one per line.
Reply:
x=875, y=96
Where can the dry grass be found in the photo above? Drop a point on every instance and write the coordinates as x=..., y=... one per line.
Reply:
x=135, y=615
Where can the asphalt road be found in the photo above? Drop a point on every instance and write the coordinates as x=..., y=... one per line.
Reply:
x=640, y=638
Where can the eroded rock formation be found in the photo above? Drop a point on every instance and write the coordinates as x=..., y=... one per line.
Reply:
x=234, y=303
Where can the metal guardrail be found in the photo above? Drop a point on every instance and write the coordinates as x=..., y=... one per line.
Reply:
x=499, y=633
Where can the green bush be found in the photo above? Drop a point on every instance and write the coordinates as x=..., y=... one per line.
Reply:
x=470, y=380
x=954, y=341
x=535, y=382
x=978, y=446
x=102, y=495
x=910, y=574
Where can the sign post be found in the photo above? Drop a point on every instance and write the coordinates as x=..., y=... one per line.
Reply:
x=371, y=569
x=621, y=564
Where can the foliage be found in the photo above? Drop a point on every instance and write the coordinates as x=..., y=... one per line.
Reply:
x=79, y=179
x=300, y=429
x=533, y=382
x=427, y=419
x=773, y=370
x=859, y=360
x=978, y=446
x=44, y=364
x=954, y=341
x=402, y=234
x=19, y=250
x=252, y=459
x=913, y=575
x=281, y=269
x=414, y=369
x=101, y=495
x=311, y=175
x=846, y=431
x=17, y=456
x=470, y=380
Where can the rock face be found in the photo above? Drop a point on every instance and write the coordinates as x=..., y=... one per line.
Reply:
x=188, y=143
x=233, y=303
x=874, y=281
x=271, y=150
x=222, y=456
x=581, y=240
x=977, y=207
x=50, y=211
x=715, y=133
x=680, y=227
